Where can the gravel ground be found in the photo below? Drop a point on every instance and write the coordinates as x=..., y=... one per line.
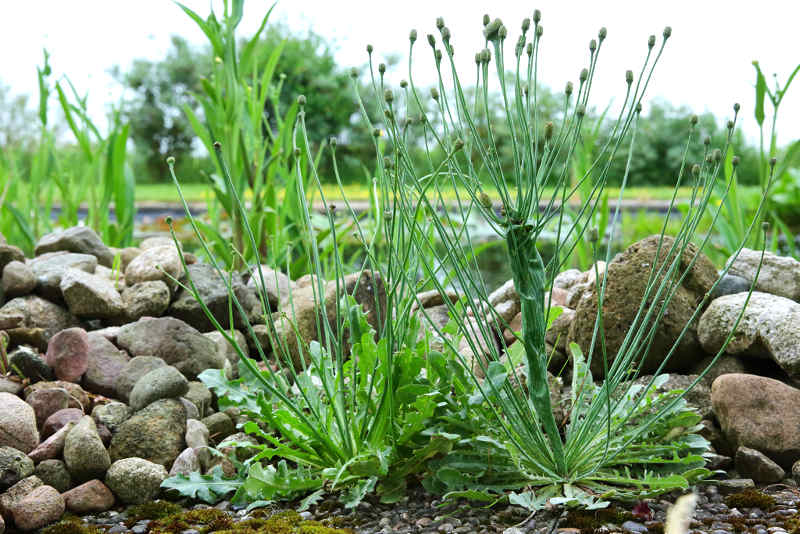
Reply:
x=421, y=513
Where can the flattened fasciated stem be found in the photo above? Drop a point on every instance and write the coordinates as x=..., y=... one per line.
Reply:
x=529, y=279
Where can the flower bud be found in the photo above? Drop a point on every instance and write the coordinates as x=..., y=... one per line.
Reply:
x=730, y=125
x=548, y=130
x=485, y=201
x=354, y=73
x=434, y=93
x=445, y=34
x=439, y=22
x=717, y=155
x=431, y=39
x=583, y=75
x=772, y=162
x=765, y=226
x=602, y=34
x=736, y=107
x=387, y=162
x=388, y=114
x=301, y=100
x=651, y=41
x=638, y=108
x=592, y=45
x=332, y=141
x=369, y=49
x=168, y=220
x=297, y=152
x=486, y=55
x=629, y=77
x=388, y=96
x=412, y=36
x=171, y=161
x=568, y=89
x=709, y=158
x=438, y=55
x=529, y=49
x=667, y=32
x=477, y=58
x=526, y=24
x=539, y=31
x=491, y=32
x=502, y=32
x=458, y=145
x=706, y=140
x=382, y=68
x=403, y=84
x=580, y=111
x=693, y=120
x=696, y=170
x=376, y=132
x=594, y=235
x=537, y=16
x=735, y=161
x=387, y=215
x=217, y=145
x=486, y=20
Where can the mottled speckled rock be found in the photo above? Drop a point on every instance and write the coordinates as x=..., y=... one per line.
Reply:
x=54, y=473
x=146, y=299
x=14, y=466
x=779, y=275
x=78, y=239
x=155, y=433
x=68, y=354
x=17, y=279
x=91, y=296
x=162, y=383
x=105, y=363
x=135, y=369
x=40, y=507
x=134, y=480
x=90, y=497
x=35, y=320
x=155, y=264
x=84, y=453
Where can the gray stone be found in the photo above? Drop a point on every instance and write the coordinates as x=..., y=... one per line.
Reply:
x=227, y=350
x=79, y=239
x=112, y=415
x=567, y=279
x=201, y=397
x=219, y=425
x=90, y=295
x=36, y=320
x=10, y=385
x=18, y=279
x=277, y=285
x=779, y=275
x=14, y=466
x=50, y=268
x=78, y=397
x=155, y=433
x=213, y=291
x=768, y=328
x=54, y=473
x=753, y=464
x=30, y=364
x=627, y=277
x=730, y=284
x=196, y=433
x=135, y=369
x=84, y=453
x=505, y=300
x=105, y=363
x=161, y=383
x=146, y=299
x=187, y=462
x=174, y=341
x=158, y=263
x=46, y=402
x=134, y=480
x=17, y=424
x=9, y=253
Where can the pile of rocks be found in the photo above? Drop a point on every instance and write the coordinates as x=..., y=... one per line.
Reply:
x=106, y=346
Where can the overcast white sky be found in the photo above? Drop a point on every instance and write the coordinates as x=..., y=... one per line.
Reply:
x=707, y=65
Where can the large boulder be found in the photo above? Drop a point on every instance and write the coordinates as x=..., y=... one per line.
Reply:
x=627, y=279
x=212, y=289
x=84, y=453
x=746, y=408
x=767, y=330
x=79, y=239
x=155, y=433
x=17, y=424
x=33, y=320
x=779, y=275
x=91, y=296
x=172, y=340
x=134, y=480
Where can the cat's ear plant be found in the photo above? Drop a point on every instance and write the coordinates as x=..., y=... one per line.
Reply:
x=618, y=439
